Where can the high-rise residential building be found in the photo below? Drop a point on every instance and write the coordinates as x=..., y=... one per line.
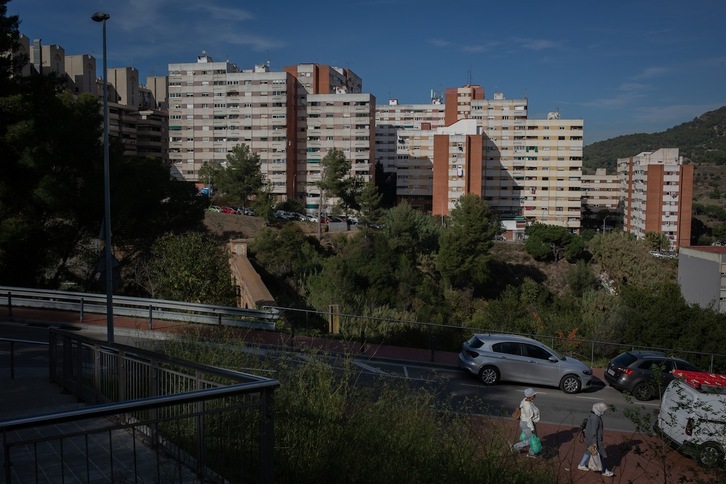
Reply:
x=393, y=118
x=135, y=117
x=526, y=169
x=290, y=119
x=658, y=195
x=601, y=192
x=81, y=72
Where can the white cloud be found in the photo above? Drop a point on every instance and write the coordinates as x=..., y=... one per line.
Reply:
x=440, y=43
x=224, y=13
x=256, y=43
x=652, y=72
x=538, y=44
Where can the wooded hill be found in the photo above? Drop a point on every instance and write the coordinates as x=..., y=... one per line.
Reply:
x=701, y=141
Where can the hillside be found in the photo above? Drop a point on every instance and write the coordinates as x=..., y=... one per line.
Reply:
x=701, y=141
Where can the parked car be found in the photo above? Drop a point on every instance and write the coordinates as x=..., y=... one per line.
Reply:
x=214, y=208
x=693, y=416
x=508, y=357
x=635, y=372
x=228, y=210
x=283, y=215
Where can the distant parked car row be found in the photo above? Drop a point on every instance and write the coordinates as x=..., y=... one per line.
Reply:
x=230, y=210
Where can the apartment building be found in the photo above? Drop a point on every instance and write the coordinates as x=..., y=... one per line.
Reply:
x=394, y=117
x=601, y=200
x=135, y=117
x=601, y=192
x=658, y=195
x=290, y=119
x=524, y=168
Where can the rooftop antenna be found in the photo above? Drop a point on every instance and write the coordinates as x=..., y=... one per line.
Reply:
x=468, y=76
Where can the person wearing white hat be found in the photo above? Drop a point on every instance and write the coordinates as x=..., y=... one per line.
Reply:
x=528, y=418
x=593, y=438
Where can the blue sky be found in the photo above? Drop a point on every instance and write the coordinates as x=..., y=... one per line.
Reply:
x=623, y=66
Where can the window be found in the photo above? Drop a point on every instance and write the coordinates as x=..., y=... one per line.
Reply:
x=508, y=347
x=536, y=352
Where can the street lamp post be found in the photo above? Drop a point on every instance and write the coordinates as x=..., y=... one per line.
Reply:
x=603, y=224
x=102, y=17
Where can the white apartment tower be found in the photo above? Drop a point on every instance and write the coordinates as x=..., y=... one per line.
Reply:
x=290, y=119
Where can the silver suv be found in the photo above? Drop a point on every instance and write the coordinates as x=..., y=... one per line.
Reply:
x=508, y=357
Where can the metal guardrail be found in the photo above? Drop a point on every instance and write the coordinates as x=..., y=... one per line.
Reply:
x=149, y=309
x=168, y=420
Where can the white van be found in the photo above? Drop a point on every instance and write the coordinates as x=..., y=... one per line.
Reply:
x=693, y=415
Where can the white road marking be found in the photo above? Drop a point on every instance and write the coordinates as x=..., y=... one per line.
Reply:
x=370, y=368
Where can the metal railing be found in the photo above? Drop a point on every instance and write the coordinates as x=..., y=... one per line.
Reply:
x=156, y=419
x=440, y=338
x=12, y=342
x=142, y=308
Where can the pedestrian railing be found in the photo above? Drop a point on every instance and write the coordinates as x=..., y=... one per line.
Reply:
x=153, y=419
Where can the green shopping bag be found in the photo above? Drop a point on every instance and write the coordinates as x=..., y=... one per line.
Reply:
x=535, y=445
x=522, y=436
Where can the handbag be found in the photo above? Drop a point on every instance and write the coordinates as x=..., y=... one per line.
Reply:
x=595, y=463
x=535, y=444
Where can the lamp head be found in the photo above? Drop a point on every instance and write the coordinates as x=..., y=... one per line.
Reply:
x=100, y=16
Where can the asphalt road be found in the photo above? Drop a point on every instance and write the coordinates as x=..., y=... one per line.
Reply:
x=455, y=388
x=465, y=393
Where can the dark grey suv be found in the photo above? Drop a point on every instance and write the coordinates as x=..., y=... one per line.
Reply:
x=636, y=372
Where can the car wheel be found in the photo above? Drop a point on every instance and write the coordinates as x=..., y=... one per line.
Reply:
x=710, y=454
x=642, y=392
x=570, y=384
x=489, y=375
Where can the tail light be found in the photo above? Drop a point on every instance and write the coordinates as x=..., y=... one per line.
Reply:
x=626, y=371
x=471, y=353
x=689, y=426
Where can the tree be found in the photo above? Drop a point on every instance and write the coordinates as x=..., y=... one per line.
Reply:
x=192, y=268
x=241, y=177
x=410, y=232
x=658, y=241
x=465, y=243
x=11, y=61
x=580, y=278
x=287, y=252
x=552, y=242
x=335, y=180
x=263, y=203
x=51, y=191
x=371, y=212
x=208, y=173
